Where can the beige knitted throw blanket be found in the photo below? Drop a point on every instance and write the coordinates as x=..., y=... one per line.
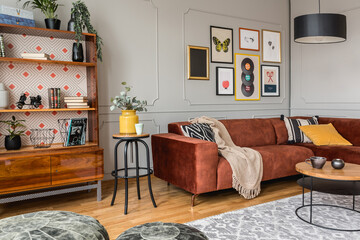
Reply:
x=246, y=163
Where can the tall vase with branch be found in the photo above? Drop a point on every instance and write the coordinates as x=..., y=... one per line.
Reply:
x=128, y=105
x=81, y=17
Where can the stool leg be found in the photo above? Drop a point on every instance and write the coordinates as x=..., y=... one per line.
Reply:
x=126, y=175
x=115, y=171
x=137, y=169
x=148, y=171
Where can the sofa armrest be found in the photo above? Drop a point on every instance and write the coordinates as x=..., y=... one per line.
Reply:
x=188, y=163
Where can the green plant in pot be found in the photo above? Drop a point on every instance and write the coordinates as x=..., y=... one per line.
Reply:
x=48, y=8
x=13, y=139
x=128, y=105
x=81, y=17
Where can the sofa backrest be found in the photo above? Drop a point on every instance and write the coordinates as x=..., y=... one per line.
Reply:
x=349, y=128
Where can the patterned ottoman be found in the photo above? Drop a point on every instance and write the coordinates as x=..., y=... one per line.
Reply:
x=50, y=225
x=159, y=230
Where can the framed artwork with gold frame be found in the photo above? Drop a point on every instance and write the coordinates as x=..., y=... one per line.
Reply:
x=271, y=46
x=247, y=77
x=198, y=63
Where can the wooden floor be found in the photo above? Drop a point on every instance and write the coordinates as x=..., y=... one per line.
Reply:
x=173, y=203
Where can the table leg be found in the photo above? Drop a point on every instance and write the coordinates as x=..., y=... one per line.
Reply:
x=311, y=193
x=148, y=169
x=137, y=169
x=354, y=195
x=115, y=170
x=126, y=175
x=303, y=190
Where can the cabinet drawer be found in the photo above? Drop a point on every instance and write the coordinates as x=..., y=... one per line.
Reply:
x=73, y=168
x=24, y=173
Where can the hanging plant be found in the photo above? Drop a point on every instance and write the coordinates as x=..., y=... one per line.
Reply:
x=82, y=21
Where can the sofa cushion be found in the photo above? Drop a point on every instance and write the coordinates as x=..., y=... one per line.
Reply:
x=350, y=154
x=280, y=130
x=176, y=127
x=294, y=132
x=251, y=132
x=278, y=161
x=201, y=131
x=347, y=127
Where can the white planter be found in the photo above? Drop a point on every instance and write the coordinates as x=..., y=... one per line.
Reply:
x=4, y=97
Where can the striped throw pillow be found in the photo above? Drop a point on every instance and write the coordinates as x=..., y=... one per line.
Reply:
x=201, y=131
x=295, y=135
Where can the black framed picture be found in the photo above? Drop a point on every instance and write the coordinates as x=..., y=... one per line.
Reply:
x=225, y=81
x=270, y=81
x=198, y=63
x=222, y=48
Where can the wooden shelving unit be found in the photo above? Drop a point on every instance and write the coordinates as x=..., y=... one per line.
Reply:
x=34, y=168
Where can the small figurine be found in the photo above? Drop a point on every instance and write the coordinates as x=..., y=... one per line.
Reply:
x=34, y=101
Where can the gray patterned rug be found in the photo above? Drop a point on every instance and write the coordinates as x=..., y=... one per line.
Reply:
x=277, y=220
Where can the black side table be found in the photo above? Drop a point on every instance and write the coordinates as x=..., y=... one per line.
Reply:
x=139, y=171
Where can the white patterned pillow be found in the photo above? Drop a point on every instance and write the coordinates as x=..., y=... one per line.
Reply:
x=295, y=135
x=201, y=131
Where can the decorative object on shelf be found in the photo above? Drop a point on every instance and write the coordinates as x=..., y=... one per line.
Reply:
x=42, y=138
x=139, y=127
x=222, y=49
x=54, y=97
x=198, y=63
x=247, y=77
x=16, y=16
x=13, y=140
x=78, y=52
x=320, y=28
x=82, y=21
x=48, y=8
x=249, y=39
x=71, y=23
x=270, y=81
x=76, y=132
x=4, y=97
x=76, y=102
x=36, y=56
x=224, y=81
x=271, y=46
x=128, y=105
x=2, y=46
x=316, y=162
x=34, y=101
x=337, y=163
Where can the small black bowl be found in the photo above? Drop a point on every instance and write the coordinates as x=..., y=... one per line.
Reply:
x=337, y=163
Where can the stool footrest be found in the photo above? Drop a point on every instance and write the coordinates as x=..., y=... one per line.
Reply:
x=131, y=170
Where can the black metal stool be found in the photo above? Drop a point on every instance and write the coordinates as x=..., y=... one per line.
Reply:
x=128, y=139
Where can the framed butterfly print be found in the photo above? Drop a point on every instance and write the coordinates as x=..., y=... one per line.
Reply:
x=221, y=41
x=271, y=46
x=224, y=81
x=270, y=81
x=249, y=39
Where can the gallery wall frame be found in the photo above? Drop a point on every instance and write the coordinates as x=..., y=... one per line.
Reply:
x=221, y=45
x=247, y=77
x=271, y=46
x=225, y=82
x=249, y=39
x=270, y=81
x=198, y=63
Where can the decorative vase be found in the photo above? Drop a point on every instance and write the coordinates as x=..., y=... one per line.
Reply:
x=12, y=144
x=127, y=121
x=52, y=23
x=78, y=52
x=337, y=163
x=71, y=23
x=4, y=97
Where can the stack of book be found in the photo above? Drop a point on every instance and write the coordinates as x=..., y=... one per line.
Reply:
x=76, y=102
x=36, y=56
x=54, y=98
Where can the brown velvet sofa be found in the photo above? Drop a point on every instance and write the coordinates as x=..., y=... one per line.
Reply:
x=194, y=165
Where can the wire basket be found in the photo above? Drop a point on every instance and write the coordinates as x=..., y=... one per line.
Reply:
x=42, y=138
x=64, y=129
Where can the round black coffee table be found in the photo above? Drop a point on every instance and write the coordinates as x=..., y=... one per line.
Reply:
x=328, y=180
x=159, y=230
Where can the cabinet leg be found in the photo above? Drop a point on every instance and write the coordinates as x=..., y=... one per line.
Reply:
x=193, y=198
x=98, y=191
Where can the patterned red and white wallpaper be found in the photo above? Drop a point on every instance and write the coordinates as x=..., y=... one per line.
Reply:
x=34, y=79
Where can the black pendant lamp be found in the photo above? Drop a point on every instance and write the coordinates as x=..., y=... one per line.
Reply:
x=320, y=28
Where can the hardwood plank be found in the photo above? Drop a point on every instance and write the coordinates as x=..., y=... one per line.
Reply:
x=173, y=203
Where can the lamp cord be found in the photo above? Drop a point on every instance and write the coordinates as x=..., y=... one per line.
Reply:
x=319, y=6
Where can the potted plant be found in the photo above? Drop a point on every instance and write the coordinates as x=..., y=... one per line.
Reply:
x=13, y=140
x=81, y=17
x=48, y=8
x=128, y=105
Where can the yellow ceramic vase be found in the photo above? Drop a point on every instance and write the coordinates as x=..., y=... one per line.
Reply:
x=127, y=121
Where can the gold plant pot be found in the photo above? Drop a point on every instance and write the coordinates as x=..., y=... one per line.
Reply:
x=127, y=121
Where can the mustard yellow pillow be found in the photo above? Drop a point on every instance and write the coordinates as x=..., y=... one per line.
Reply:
x=324, y=134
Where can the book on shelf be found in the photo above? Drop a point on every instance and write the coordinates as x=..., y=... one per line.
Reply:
x=77, y=106
x=76, y=132
x=54, y=97
x=35, y=55
x=75, y=100
x=76, y=103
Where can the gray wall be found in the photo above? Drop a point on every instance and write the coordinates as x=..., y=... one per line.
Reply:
x=145, y=44
x=324, y=78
